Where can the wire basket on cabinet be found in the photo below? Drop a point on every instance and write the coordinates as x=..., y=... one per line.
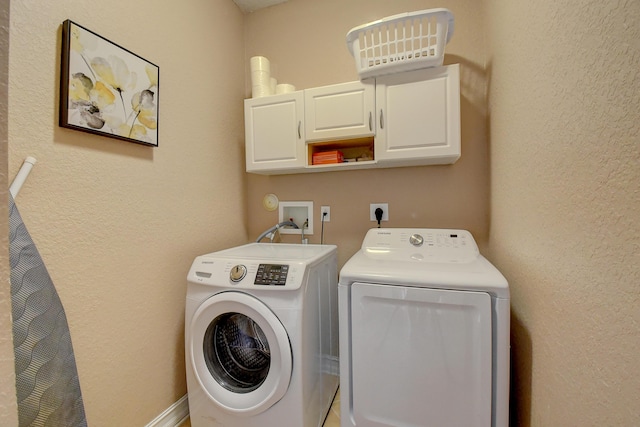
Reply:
x=403, y=42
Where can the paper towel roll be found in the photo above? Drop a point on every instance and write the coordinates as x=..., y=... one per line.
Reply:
x=260, y=78
x=274, y=84
x=285, y=88
x=260, y=63
x=258, y=91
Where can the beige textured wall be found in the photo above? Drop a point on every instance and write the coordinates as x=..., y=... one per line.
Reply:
x=565, y=204
x=8, y=409
x=118, y=224
x=305, y=42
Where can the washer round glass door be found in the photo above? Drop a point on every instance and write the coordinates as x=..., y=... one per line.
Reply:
x=240, y=353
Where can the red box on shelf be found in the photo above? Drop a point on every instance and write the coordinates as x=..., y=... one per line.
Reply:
x=327, y=157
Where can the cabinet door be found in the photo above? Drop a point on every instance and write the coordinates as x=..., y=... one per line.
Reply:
x=341, y=111
x=274, y=133
x=418, y=115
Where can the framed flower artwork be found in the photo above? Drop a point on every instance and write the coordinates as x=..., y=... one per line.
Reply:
x=106, y=89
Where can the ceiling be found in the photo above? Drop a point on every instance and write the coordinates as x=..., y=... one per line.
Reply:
x=253, y=5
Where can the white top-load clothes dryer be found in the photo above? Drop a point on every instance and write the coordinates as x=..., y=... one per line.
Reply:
x=261, y=336
x=424, y=332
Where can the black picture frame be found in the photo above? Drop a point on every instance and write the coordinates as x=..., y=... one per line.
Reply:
x=106, y=89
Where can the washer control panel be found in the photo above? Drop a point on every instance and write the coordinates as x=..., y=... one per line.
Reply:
x=247, y=273
x=271, y=274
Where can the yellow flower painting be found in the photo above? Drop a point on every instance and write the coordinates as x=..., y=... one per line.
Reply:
x=106, y=89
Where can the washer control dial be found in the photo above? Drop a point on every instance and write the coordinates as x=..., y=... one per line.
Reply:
x=416, y=239
x=237, y=273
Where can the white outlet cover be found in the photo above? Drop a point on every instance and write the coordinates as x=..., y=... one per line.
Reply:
x=327, y=217
x=385, y=211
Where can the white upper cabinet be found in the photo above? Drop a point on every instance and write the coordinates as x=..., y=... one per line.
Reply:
x=274, y=133
x=418, y=114
x=404, y=119
x=341, y=111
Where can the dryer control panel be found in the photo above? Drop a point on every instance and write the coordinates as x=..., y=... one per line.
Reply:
x=420, y=244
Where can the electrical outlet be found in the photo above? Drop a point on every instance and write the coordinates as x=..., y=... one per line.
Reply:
x=385, y=211
x=327, y=210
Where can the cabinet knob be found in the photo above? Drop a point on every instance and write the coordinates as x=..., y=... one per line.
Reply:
x=370, y=120
x=381, y=119
x=299, y=124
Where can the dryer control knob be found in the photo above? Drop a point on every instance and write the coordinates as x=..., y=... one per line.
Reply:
x=237, y=273
x=416, y=240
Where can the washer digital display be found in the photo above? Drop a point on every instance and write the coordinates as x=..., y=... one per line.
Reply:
x=271, y=274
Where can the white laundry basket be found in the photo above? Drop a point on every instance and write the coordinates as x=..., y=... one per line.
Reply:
x=403, y=42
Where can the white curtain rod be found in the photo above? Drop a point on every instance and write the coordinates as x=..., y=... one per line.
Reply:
x=21, y=177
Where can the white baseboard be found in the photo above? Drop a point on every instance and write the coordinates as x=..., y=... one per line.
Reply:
x=174, y=415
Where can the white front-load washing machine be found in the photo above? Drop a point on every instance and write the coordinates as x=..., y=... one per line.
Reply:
x=424, y=332
x=261, y=336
